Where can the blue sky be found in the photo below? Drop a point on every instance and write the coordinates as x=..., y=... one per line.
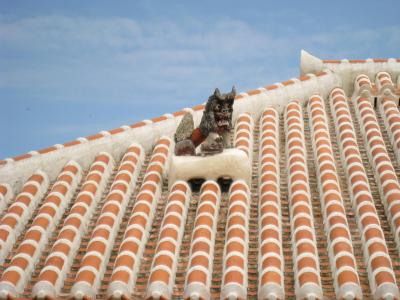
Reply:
x=73, y=68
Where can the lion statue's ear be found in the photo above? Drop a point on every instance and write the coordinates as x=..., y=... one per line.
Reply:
x=217, y=93
x=233, y=92
x=232, y=95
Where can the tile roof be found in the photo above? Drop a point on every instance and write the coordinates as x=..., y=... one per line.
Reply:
x=319, y=219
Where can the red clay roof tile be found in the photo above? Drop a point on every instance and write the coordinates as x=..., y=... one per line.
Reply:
x=159, y=119
x=71, y=143
x=94, y=137
x=21, y=157
x=136, y=125
x=332, y=61
x=47, y=150
x=253, y=92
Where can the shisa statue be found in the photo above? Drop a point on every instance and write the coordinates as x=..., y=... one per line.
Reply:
x=212, y=160
x=213, y=132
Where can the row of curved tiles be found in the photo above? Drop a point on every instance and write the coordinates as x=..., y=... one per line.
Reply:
x=17, y=273
x=383, y=84
x=379, y=266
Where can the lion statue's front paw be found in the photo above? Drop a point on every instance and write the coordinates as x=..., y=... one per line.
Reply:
x=213, y=144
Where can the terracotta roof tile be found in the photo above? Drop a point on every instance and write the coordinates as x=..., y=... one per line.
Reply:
x=342, y=259
x=244, y=133
x=199, y=271
x=253, y=92
x=17, y=214
x=391, y=114
x=136, y=125
x=288, y=82
x=306, y=262
x=357, y=61
x=171, y=233
x=16, y=275
x=159, y=119
x=126, y=264
x=234, y=277
x=304, y=77
x=6, y=194
x=71, y=143
x=198, y=107
x=332, y=61
x=271, y=276
x=94, y=137
x=383, y=169
x=380, y=275
x=362, y=82
x=21, y=157
x=69, y=238
x=384, y=81
x=116, y=130
x=88, y=278
x=271, y=87
x=321, y=73
x=47, y=150
x=380, y=60
x=179, y=113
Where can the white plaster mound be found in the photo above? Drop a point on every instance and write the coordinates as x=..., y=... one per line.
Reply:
x=348, y=71
x=271, y=291
x=232, y=163
x=310, y=63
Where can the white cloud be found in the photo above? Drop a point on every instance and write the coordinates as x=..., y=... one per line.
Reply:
x=120, y=59
x=65, y=33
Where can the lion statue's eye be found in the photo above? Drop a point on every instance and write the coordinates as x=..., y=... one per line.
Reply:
x=217, y=107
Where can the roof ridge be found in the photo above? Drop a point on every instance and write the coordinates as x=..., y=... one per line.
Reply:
x=123, y=128
x=312, y=63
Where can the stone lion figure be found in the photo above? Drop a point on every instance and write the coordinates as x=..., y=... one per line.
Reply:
x=213, y=131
